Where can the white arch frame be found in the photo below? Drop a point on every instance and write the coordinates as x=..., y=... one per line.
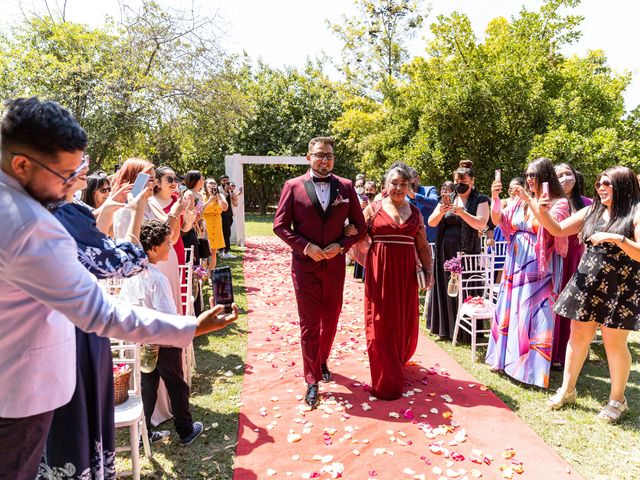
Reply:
x=233, y=167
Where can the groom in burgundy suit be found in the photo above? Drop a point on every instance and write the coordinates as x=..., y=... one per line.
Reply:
x=311, y=216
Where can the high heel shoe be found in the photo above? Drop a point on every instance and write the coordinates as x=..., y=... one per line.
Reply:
x=613, y=411
x=560, y=399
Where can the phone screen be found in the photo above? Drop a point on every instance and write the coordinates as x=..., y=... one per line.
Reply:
x=141, y=181
x=222, y=286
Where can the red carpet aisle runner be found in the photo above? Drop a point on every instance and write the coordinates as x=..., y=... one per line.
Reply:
x=447, y=426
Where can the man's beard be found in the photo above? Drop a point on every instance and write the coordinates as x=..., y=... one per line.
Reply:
x=43, y=199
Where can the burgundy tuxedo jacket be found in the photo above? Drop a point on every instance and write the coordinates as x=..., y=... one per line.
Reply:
x=300, y=219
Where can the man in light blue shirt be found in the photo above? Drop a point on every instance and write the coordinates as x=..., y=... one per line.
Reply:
x=45, y=291
x=426, y=200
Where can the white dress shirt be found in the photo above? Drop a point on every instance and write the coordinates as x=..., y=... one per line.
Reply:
x=44, y=291
x=323, y=191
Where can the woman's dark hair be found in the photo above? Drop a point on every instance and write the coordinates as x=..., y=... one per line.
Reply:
x=519, y=180
x=44, y=127
x=449, y=185
x=544, y=171
x=191, y=178
x=401, y=169
x=465, y=169
x=94, y=183
x=575, y=196
x=153, y=234
x=626, y=196
x=160, y=172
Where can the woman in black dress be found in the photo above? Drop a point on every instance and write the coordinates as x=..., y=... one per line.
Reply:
x=459, y=222
x=605, y=290
x=81, y=442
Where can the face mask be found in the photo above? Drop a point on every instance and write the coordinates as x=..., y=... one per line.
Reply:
x=461, y=188
x=360, y=190
x=567, y=181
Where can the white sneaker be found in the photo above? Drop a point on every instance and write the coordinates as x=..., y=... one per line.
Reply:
x=230, y=255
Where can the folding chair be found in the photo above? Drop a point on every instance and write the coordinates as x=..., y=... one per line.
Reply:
x=131, y=413
x=476, y=281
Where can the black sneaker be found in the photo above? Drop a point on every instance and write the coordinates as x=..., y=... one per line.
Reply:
x=198, y=428
x=157, y=436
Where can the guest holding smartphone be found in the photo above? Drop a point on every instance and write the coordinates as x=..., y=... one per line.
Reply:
x=604, y=290
x=460, y=217
x=568, y=178
x=522, y=330
x=214, y=205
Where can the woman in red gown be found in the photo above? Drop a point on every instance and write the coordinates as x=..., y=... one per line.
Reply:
x=397, y=232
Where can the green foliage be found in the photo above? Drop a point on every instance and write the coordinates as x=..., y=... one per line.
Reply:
x=289, y=107
x=500, y=102
x=140, y=87
x=374, y=42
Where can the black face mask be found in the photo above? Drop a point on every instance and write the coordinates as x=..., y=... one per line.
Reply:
x=461, y=188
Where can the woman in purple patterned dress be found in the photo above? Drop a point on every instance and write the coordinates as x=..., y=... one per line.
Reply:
x=522, y=330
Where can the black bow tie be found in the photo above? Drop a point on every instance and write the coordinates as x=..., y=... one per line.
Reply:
x=321, y=179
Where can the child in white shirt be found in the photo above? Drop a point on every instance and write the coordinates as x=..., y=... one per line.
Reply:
x=153, y=290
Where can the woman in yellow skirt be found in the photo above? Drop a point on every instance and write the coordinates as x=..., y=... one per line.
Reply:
x=214, y=204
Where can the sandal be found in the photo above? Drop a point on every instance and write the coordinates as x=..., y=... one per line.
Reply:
x=560, y=399
x=613, y=411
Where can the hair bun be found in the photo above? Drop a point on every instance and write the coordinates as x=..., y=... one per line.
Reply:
x=465, y=164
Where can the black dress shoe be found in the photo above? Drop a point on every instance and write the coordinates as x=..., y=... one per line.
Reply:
x=311, y=397
x=326, y=374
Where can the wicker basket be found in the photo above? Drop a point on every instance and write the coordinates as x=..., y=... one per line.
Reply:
x=121, y=387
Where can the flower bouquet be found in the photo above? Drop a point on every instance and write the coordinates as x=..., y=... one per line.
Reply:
x=454, y=267
x=200, y=273
x=121, y=376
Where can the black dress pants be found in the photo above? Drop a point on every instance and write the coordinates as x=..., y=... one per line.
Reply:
x=227, y=220
x=22, y=445
x=169, y=368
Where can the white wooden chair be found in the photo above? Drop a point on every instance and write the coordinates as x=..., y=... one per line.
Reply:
x=476, y=281
x=131, y=413
x=186, y=281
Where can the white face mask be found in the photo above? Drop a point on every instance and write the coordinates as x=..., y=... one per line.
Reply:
x=360, y=190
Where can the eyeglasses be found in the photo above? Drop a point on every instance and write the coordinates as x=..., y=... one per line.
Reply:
x=65, y=180
x=603, y=183
x=529, y=175
x=322, y=156
x=170, y=179
x=105, y=190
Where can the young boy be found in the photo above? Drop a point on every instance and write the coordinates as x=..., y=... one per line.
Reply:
x=154, y=291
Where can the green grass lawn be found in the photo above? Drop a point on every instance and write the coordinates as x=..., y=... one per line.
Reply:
x=597, y=451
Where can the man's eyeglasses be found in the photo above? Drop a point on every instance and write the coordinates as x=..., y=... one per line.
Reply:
x=65, y=180
x=171, y=179
x=322, y=156
x=529, y=175
x=603, y=183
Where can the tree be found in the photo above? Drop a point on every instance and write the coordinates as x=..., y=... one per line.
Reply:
x=374, y=43
x=157, y=73
x=289, y=107
x=499, y=102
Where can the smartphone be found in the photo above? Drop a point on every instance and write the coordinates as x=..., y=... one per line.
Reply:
x=240, y=189
x=545, y=188
x=498, y=175
x=141, y=181
x=363, y=198
x=222, y=287
x=446, y=199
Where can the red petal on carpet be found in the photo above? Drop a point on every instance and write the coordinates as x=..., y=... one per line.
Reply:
x=446, y=425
